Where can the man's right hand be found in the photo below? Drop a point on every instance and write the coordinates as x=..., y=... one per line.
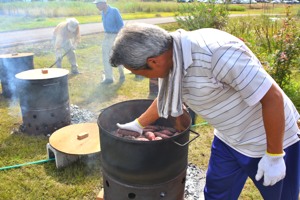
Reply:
x=132, y=126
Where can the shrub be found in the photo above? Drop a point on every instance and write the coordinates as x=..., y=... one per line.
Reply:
x=196, y=15
x=276, y=42
x=284, y=47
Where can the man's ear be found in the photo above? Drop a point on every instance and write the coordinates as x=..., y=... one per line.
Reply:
x=151, y=60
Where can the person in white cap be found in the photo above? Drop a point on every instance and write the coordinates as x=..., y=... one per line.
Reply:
x=66, y=37
x=112, y=23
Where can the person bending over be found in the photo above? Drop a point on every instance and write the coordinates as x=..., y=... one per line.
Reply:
x=66, y=37
x=217, y=76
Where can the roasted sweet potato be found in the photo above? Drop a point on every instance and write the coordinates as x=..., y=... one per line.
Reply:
x=149, y=135
x=173, y=130
x=152, y=127
x=142, y=139
x=124, y=133
x=163, y=136
x=167, y=132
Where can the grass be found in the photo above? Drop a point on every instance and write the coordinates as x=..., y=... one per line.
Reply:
x=20, y=16
x=14, y=23
x=81, y=180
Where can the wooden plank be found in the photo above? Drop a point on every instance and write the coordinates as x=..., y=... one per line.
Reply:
x=100, y=195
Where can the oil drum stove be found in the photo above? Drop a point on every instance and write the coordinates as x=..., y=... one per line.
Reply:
x=144, y=170
x=44, y=100
x=10, y=65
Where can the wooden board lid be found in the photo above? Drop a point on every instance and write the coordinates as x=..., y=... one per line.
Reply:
x=42, y=74
x=77, y=139
x=16, y=55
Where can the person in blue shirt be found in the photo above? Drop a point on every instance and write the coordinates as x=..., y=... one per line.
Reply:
x=112, y=23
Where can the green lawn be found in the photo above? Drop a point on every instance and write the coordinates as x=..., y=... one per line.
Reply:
x=81, y=180
x=20, y=16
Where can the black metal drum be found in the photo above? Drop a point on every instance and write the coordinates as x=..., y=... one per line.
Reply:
x=139, y=168
x=44, y=100
x=10, y=65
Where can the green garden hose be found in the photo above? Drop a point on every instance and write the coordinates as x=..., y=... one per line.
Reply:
x=29, y=163
x=200, y=124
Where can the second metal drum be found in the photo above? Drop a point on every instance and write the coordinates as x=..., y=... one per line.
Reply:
x=44, y=100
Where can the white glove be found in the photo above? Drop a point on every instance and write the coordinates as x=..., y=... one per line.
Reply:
x=272, y=167
x=132, y=126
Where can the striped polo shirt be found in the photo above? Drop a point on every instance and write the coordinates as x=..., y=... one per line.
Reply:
x=224, y=82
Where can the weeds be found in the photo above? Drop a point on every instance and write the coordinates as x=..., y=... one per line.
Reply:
x=276, y=42
x=202, y=15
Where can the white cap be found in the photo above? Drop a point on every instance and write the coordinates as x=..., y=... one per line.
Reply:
x=99, y=1
x=72, y=24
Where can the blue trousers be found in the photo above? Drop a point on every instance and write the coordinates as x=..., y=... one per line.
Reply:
x=228, y=171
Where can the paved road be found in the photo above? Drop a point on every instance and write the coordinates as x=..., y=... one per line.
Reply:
x=8, y=39
x=14, y=38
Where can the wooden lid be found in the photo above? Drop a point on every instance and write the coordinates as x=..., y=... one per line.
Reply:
x=42, y=74
x=16, y=55
x=77, y=139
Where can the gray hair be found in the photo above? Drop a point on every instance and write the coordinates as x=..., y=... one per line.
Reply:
x=72, y=24
x=138, y=41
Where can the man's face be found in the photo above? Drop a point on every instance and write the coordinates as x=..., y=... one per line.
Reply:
x=160, y=66
x=101, y=6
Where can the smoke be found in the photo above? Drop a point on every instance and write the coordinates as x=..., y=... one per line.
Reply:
x=89, y=58
x=10, y=65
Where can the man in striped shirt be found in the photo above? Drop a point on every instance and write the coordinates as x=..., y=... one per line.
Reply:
x=220, y=79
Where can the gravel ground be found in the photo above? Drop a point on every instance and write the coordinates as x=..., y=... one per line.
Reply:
x=195, y=181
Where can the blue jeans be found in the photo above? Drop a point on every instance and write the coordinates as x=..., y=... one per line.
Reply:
x=228, y=171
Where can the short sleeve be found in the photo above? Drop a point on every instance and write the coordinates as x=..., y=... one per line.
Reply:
x=235, y=65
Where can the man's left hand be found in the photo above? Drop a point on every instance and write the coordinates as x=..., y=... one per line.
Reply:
x=272, y=168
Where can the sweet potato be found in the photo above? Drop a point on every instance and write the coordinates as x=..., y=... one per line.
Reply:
x=153, y=127
x=173, y=130
x=141, y=139
x=163, y=136
x=124, y=132
x=149, y=135
x=167, y=132
x=149, y=130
